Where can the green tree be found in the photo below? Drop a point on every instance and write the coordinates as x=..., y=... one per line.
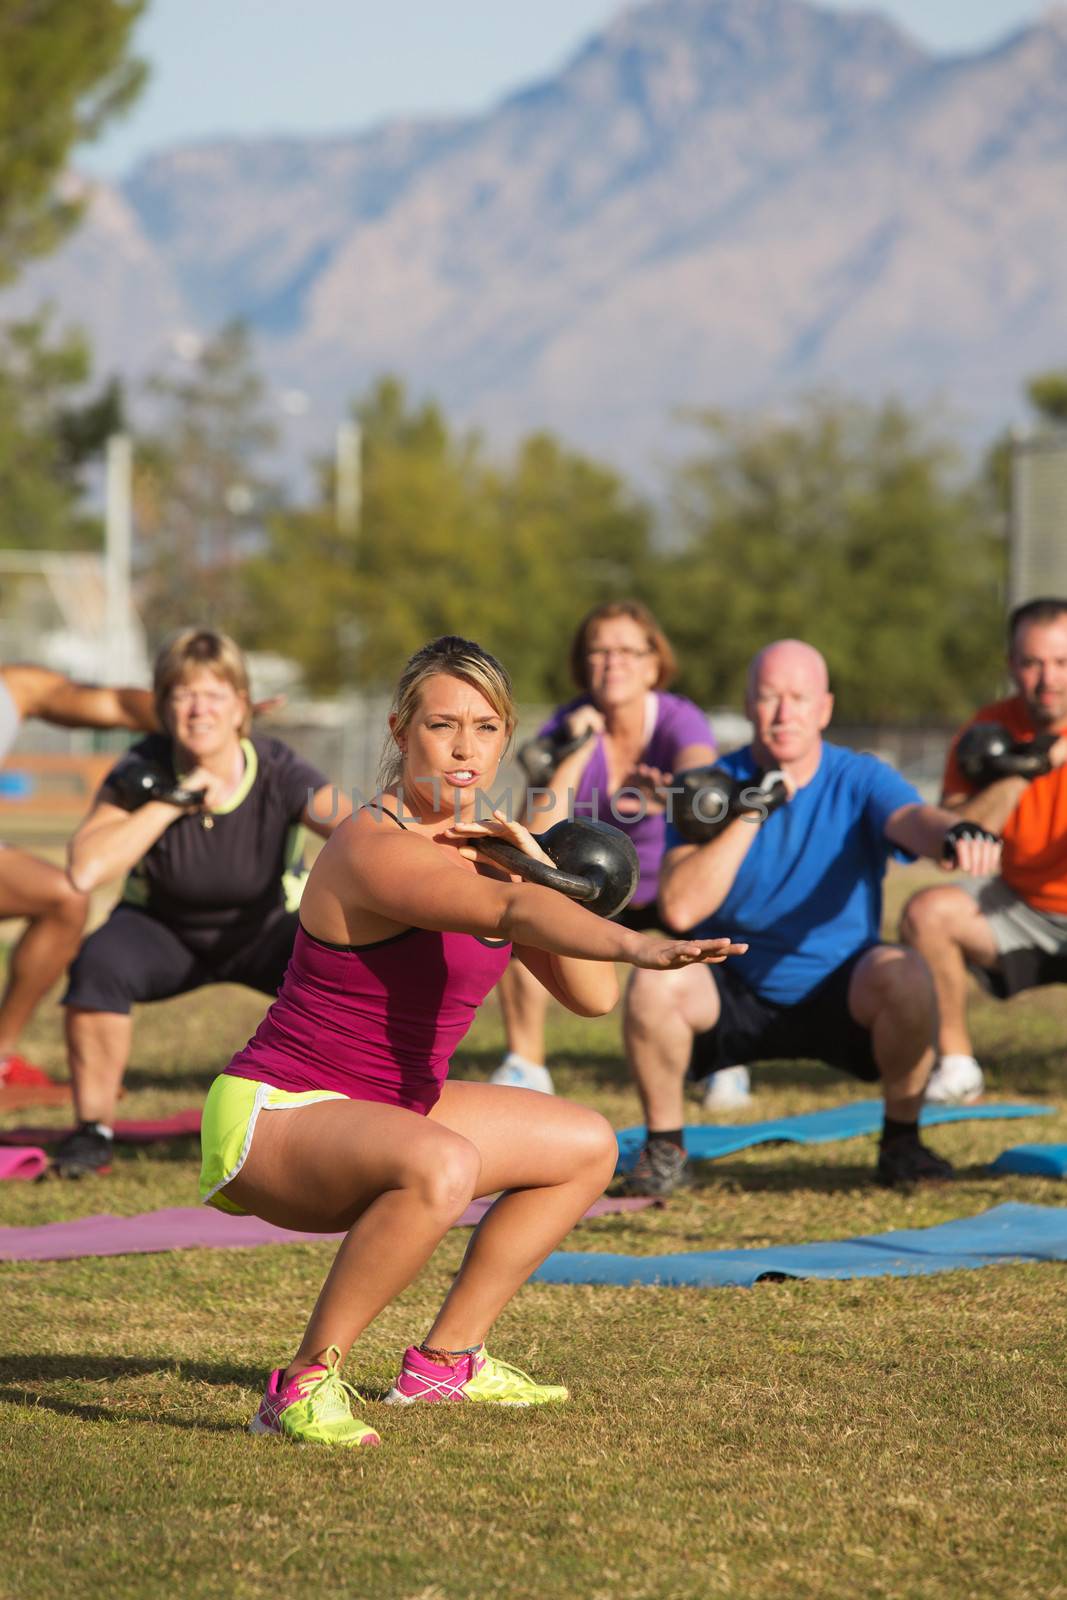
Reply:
x=572, y=535
x=851, y=526
x=201, y=492
x=65, y=71
x=45, y=440
x=1047, y=394
x=448, y=543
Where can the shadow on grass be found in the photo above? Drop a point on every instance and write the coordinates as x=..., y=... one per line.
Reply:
x=41, y=1368
x=20, y=1374
x=196, y=1080
x=760, y=1178
x=786, y=1180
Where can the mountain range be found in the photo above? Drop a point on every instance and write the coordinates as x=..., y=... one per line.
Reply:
x=715, y=202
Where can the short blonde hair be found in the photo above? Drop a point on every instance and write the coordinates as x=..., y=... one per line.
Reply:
x=191, y=649
x=456, y=658
x=638, y=612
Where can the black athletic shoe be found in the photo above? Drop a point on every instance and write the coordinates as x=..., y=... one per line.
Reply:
x=905, y=1162
x=659, y=1170
x=84, y=1152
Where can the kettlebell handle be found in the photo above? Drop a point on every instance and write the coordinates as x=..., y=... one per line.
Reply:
x=533, y=871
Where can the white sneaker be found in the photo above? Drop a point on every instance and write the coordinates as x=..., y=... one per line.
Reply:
x=518, y=1073
x=955, y=1081
x=728, y=1089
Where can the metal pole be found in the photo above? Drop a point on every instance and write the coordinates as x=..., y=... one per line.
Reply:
x=348, y=476
x=118, y=542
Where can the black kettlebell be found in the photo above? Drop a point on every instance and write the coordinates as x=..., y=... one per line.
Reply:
x=987, y=751
x=705, y=804
x=979, y=750
x=711, y=797
x=134, y=782
x=540, y=757
x=593, y=863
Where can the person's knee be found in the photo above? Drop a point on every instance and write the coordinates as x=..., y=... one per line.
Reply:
x=445, y=1173
x=647, y=993
x=102, y=981
x=900, y=984
x=596, y=1148
x=69, y=904
x=933, y=915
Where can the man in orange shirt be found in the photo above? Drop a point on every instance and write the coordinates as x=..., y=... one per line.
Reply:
x=1013, y=927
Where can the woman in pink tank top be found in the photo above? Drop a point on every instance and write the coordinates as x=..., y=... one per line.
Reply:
x=403, y=934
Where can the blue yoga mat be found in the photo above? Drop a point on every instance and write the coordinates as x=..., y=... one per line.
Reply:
x=1009, y=1232
x=1034, y=1160
x=708, y=1142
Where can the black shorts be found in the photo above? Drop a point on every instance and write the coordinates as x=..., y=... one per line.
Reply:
x=1017, y=970
x=819, y=1028
x=134, y=957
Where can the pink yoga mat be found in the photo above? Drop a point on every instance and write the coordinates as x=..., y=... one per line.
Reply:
x=25, y=1163
x=189, y=1227
x=152, y=1131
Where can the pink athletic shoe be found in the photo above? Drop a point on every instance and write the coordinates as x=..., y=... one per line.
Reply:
x=314, y=1408
x=476, y=1376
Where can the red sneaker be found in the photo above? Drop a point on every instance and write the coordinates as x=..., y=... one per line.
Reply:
x=17, y=1071
x=22, y=1084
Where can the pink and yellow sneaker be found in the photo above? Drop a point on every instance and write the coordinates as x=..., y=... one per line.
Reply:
x=476, y=1376
x=313, y=1408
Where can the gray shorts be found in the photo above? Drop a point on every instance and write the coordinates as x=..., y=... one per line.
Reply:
x=1031, y=944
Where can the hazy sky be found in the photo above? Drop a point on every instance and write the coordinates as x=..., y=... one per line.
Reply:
x=259, y=66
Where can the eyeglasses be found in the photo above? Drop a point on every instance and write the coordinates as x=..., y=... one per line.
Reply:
x=180, y=698
x=624, y=652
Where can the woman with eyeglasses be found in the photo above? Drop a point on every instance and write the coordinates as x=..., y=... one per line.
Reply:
x=608, y=753
x=205, y=846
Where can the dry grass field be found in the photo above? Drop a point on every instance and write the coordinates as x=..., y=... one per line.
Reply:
x=896, y=1438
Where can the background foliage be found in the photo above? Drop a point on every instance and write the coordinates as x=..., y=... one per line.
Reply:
x=856, y=526
x=65, y=72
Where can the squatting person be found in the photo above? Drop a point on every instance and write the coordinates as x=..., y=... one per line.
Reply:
x=338, y=1116
x=613, y=745
x=54, y=909
x=1012, y=928
x=204, y=899
x=801, y=880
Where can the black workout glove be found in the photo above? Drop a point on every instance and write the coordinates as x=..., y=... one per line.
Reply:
x=963, y=830
x=134, y=782
x=987, y=751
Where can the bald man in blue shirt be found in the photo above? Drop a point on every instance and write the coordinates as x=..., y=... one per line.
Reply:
x=801, y=882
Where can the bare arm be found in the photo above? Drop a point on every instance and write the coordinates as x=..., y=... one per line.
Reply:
x=588, y=988
x=39, y=692
x=921, y=829
x=110, y=841
x=991, y=807
x=407, y=881
x=545, y=807
x=695, y=879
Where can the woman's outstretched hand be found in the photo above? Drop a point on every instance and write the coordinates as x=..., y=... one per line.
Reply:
x=664, y=955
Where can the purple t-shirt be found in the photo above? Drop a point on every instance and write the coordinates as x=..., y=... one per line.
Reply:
x=673, y=723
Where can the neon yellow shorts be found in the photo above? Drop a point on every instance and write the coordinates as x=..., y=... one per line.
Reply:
x=230, y=1114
